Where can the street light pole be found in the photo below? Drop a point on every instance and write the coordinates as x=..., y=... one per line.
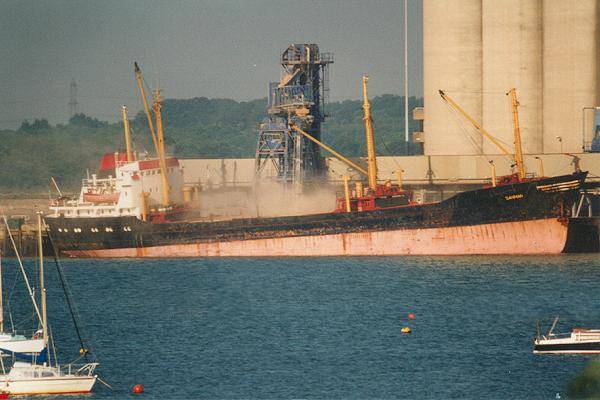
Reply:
x=406, y=77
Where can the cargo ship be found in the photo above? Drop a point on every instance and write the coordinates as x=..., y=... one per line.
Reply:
x=520, y=218
x=136, y=208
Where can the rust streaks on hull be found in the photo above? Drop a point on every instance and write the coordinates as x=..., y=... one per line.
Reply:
x=542, y=236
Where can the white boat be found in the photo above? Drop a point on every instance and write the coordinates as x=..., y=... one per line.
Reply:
x=39, y=375
x=27, y=379
x=578, y=341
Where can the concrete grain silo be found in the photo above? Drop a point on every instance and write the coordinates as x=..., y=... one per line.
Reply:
x=512, y=57
x=571, y=35
x=476, y=50
x=452, y=62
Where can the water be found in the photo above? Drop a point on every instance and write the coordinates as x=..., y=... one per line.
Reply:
x=329, y=327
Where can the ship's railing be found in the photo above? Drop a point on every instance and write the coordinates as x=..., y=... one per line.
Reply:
x=98, y=182
x=556, y=336
x=63, y=202
x=584, y=206
x=86, y=369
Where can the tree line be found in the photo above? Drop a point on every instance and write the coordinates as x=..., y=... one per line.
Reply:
x=194, y=128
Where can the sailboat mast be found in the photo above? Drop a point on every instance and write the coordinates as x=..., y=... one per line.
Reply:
x=1, y=296
x=42, y=285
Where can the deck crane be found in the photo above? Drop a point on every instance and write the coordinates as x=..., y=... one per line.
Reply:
x=377, y=196
x=140, y=83
x=371, y=156
x=158, y=135
x=517, y=156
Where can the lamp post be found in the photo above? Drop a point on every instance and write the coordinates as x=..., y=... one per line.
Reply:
x=406, y=135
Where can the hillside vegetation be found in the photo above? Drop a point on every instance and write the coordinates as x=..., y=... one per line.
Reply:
x=194, y=128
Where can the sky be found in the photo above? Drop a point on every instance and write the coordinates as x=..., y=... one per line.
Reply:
x=214, y=49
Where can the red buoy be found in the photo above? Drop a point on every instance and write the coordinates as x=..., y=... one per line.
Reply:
x=411, y=316
x=137, y=389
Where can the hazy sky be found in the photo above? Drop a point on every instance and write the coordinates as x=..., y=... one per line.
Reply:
x=215, y=49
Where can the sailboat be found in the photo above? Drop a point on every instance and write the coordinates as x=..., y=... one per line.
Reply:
x=38, y=374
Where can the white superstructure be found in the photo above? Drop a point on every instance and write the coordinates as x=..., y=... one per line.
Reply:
x=121, y=194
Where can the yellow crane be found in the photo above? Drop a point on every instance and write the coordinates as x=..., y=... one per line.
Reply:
x=157, y=139
x=329, y=149
x=517, y=132
x=517, y=156
x=140, y=83
x=162, y=162
x=371, y=156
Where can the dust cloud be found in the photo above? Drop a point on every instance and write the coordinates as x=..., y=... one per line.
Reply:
x=276, y=200
x=265, y=200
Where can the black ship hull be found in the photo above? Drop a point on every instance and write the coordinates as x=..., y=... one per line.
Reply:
x=524, y=218
x=591, y=347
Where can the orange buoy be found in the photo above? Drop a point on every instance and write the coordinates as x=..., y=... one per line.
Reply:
x=405, y=330
x=411, y=316
x=137, y=389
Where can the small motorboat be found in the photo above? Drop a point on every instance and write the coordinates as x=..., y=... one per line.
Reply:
x=578, y=341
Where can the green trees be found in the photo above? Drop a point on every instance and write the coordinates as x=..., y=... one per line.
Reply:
x=194, y=128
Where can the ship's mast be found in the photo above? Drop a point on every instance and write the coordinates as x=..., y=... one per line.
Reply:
x=161, y=148
x=371, y=157
x=517, y=133
x=127, y=134
x=42, y=285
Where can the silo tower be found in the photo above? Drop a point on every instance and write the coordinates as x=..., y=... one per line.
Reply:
x=299, y=97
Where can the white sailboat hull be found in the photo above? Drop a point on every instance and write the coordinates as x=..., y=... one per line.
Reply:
x=52, y=385
x=25, y=378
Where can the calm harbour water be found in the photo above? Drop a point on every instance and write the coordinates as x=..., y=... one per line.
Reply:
x=328, y=327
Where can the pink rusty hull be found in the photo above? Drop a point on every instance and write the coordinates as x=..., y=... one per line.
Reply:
x=542, y=236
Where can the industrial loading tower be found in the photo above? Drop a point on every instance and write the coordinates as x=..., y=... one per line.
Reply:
x=298, y=98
